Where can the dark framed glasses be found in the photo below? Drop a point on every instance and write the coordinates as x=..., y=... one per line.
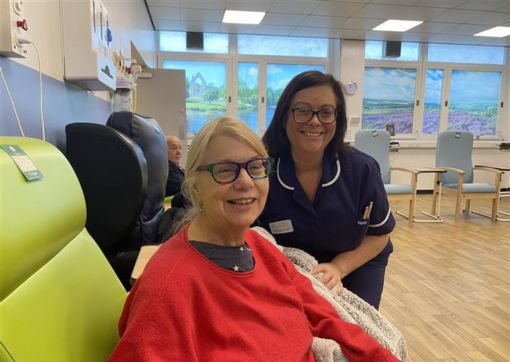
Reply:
x=226, y=172
x=305, y=114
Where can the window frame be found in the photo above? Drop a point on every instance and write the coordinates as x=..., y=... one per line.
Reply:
x=422, y=65
x=381, y=63
x=232, y=58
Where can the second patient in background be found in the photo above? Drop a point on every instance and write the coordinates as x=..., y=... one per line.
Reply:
x=175, y=171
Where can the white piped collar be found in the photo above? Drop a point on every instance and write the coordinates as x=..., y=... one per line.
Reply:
x=325, y=184
x=279, y=178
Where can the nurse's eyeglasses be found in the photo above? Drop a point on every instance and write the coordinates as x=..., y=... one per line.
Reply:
x=227, y=172
x=304, y=114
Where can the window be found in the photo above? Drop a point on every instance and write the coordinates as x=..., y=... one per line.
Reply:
x=277, y=78
x=205, y=90
x=474, y=101
x=432, y=101
x=374, y=50
x=248, y=93
x=282, y=46
x=389, y=98
x=466, y=54
x=460, y=89
x=175, y=41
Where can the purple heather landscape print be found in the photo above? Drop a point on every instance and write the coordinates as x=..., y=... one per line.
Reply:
x=473, y=100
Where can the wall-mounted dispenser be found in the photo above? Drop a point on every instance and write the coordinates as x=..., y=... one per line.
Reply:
x=13, y=27
x=87, y=40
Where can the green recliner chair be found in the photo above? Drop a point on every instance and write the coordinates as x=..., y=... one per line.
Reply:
x=59, y=298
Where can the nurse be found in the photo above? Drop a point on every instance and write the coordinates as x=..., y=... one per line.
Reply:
x=325, y=197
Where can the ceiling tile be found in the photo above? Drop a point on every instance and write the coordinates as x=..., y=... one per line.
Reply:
x=486, y=5
x=457, y=16
x=204, y=4
x=282, y=19
x=360, y=23
x=315, y=21
x=295, y=7
x=201, y=15
x=433, y=27
x=448, y=4
x=466, y=29
x=249, y=5
x=444, y=20
x=380, y=11
x=330, y=8
x=173, y=3
x=490, y=18
x=165, y=12
x=394, y=2
x=420, y=13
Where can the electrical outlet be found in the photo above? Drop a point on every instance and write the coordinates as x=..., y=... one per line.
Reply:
x=12, y=26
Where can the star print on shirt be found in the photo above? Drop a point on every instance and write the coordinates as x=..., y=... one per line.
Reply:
x=236, y=268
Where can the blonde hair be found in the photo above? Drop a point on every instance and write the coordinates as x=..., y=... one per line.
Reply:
x=224, y=126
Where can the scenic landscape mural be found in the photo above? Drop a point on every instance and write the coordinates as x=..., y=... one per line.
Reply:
x=473, y=100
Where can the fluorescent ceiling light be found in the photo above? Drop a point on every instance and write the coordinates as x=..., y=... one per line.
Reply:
x=243, y=17
x=397, y=25
x=496, y=32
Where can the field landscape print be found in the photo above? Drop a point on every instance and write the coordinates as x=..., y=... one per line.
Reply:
x=473, y=101
x=389, y=98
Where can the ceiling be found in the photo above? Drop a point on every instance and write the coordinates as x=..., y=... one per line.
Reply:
x=444, y=21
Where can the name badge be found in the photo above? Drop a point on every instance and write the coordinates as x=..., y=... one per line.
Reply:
x=281, y=227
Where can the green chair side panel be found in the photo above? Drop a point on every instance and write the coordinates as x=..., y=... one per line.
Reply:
x=67, y=311
x=37, y=219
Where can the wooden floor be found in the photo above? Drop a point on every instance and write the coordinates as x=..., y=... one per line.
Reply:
x=448, y=285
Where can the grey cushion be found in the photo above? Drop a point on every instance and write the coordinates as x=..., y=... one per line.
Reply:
x=474, y=187
x=394, y=189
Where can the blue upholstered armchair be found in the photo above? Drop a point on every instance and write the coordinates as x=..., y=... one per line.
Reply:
x=454, y=153
x=376, y=143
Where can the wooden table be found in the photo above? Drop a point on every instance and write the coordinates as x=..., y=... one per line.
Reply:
x=146, y=252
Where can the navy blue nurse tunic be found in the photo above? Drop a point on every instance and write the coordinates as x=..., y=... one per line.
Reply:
x=335, y=221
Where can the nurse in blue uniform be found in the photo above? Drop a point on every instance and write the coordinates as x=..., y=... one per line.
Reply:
x=325, y=197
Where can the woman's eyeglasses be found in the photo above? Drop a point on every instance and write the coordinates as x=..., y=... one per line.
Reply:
x=226, y=172
x=305, y=114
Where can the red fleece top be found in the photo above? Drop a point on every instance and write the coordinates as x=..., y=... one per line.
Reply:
x=186, y=308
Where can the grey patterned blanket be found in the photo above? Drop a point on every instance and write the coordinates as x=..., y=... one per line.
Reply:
x=349, y=306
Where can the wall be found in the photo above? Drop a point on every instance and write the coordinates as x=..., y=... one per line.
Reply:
x=352, y=68
x=63, y=102
x=419, y=154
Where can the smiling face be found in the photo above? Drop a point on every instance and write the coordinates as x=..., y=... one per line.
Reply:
x=311, y=138
x=233, y=206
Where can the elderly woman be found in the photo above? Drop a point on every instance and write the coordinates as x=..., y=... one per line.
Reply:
x=218, y=291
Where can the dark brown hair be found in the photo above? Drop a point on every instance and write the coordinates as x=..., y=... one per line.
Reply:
x=275, y=138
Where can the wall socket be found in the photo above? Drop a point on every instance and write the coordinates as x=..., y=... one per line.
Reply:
x=12, y=25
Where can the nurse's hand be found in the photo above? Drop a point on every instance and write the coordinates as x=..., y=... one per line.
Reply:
x=331, y=276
